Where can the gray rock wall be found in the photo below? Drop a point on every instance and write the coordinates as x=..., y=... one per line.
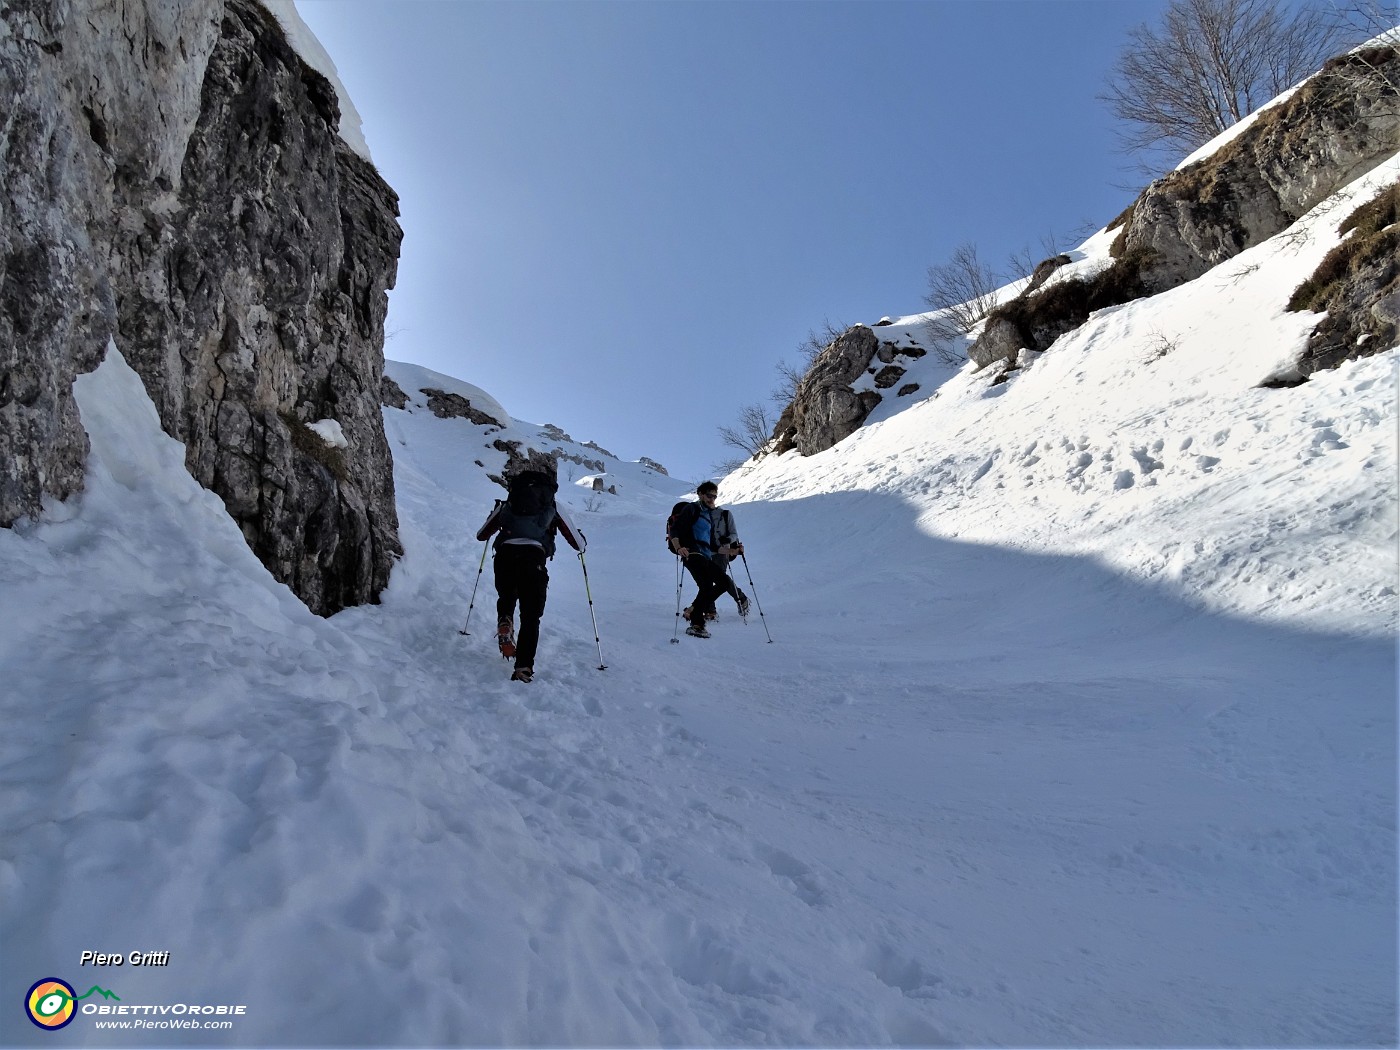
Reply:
x=1339, y=125
x=171, y=178
x=826, y=409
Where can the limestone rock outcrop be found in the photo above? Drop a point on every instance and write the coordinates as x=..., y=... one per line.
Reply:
x=827, y=406
x=172, y=180
x=826, y=409
x=1336, y=127
x=455, y=406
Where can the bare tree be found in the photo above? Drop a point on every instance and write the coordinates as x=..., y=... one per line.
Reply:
x=789, y=376
x=1362, y=20
x=752, y=431
x=964, y=290
x=1208, y=64
x=818, y=339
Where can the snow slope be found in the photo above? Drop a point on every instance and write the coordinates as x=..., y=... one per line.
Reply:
x=967, y=796
x=1077, y=726
x=1145, y=441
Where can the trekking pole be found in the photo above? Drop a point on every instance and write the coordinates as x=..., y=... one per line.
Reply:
x=477, y=584
x=763, y=619
x=676, y=631
x=589, y=591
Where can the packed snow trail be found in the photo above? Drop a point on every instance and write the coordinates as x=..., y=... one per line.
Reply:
x=968, y=796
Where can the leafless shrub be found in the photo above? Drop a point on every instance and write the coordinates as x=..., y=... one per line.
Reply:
x=789, y=375
x=1022, y=263
x=1242, y=272
x=752, y=431
x=818, y=339
x=1159, y=345
x=963, y=290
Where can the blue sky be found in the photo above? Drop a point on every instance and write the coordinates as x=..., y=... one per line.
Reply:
x=620, y=216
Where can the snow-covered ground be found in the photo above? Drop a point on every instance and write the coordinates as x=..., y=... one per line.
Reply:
x=1069, y=718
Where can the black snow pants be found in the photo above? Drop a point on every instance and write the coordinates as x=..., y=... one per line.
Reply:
x=712, y=581
x=521, y=577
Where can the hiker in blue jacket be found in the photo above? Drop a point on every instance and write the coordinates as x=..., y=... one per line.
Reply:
x=702, y=534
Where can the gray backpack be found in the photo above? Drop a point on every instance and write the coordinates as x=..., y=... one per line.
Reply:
x=528, y=513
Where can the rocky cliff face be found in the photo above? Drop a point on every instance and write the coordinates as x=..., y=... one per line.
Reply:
x=171, y=180
x=828, y=406
x=825, y=408
x=1339, y=125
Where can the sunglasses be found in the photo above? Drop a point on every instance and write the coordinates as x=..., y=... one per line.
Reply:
x=709, y=495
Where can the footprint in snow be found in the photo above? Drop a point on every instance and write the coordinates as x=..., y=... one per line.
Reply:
x=901, y=972
x=798, y=877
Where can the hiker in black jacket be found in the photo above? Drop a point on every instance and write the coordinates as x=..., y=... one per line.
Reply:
x=702, y=534
x=525, y=524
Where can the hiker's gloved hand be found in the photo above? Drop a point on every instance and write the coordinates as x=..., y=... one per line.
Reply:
x=736, y=549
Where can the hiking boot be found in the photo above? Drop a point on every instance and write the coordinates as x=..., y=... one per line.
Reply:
x=505, y=640
x=697, y=630
x=523, y=674
x=743, y=601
